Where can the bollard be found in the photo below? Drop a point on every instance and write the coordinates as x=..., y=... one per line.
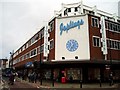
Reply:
x=80, y=83
x=41, y=81
x=100, y=83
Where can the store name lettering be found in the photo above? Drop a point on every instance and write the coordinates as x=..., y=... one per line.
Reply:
x=70, y=25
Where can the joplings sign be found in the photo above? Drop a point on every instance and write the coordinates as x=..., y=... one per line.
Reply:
x=70, y=25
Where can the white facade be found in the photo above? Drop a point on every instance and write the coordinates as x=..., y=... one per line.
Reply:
x=72, y=32
x=69, y=10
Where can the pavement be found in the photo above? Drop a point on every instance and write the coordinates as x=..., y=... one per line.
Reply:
x=47, y=85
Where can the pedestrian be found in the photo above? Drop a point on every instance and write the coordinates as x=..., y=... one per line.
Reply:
x=32, y=77
x=29, y=77
x=111, y=78
x=11, y=78
x=35, y=76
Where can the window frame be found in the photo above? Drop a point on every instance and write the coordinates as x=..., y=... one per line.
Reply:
x=93, y=23
x=51, y=47
x=96, y=45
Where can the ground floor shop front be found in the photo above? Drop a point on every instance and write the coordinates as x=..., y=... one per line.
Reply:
x=75, y=71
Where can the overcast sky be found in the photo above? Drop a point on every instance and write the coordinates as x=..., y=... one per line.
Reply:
x=21, y=19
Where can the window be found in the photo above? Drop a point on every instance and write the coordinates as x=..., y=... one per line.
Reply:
x=51, y=44
x=26, y=45
x=38, y=50
x=65, y=12
x=33, y=52
x=17, y=53
x=28, y=55
x=109, y=25
x=40, y=34
x=41, y=48
x=76, y=9
x=118, y=45
x=32, y=40
x=113, y=44
x=108, y=43
x=24, y=56
x=96, y=41
x=113, y=27
x=20, y=58
x=51, y=26
x=84, y=11
x=91, y=12
x=36, y=36
x=29, y=43
x=118, y=27
x=106, y=24
x=19, y=50
x=95, y=22
x=23, y=48
x=69, y=9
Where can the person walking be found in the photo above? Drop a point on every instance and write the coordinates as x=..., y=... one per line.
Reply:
x=11, y=78
x=35, y=76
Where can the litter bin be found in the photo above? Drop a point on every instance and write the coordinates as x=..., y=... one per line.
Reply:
x=63, y=80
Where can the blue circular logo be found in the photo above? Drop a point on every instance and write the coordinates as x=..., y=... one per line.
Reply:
x=72, y=45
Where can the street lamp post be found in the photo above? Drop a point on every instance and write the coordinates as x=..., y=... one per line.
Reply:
x=11, y=61
x=80, y=78
x=40, y=60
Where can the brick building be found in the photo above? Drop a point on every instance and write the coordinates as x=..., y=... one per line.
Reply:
x=81, y=42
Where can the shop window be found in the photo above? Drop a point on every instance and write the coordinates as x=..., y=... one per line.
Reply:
x=73, y=74
x=96, y=41
x=95, y=22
